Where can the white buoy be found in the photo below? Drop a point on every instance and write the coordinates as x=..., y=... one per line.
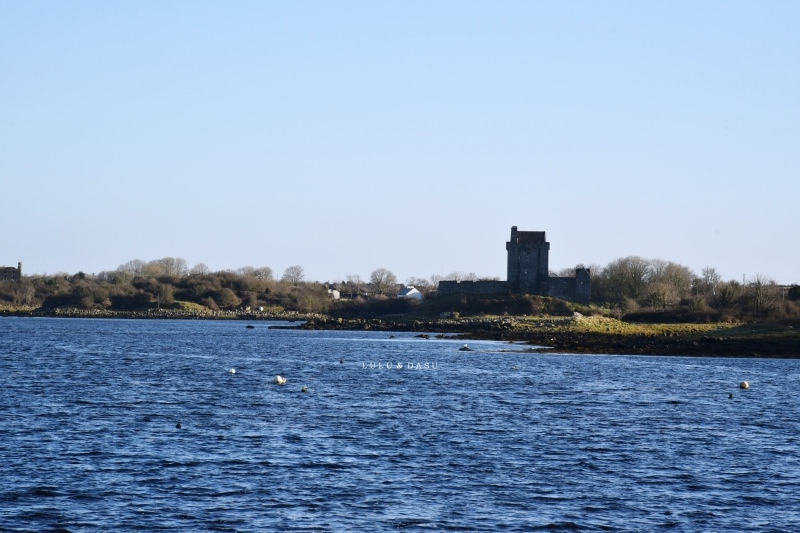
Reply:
x=744, y=385
x=232, y=371
x=280, y=380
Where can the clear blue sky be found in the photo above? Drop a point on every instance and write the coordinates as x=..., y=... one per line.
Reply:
x=348, y=136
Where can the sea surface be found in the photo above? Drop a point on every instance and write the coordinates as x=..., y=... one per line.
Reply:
x=139, y=425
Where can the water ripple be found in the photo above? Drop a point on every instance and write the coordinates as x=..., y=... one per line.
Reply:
x=139, y=426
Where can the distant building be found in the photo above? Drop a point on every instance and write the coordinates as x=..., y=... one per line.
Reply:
x=528, y=272
x=11, y=273
x=410, y=292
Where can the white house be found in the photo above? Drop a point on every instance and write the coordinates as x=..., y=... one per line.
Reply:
x=410, y=292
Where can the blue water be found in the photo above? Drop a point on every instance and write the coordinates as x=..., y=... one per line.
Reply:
x=489, y=440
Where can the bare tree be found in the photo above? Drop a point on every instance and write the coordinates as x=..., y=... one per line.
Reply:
x=638, y=270
x=24, y=293
x=181, y=268
x=657, y=268
x=293, y=274
x=709, y=279
x=420, y=283
x=354, y=285
x=246, y=271
x=383, y=281
x=134, y=267
x=679, y=280
x=154, y=269
x=200, y=269
x=171, y=266
x=626, y=278
x=763, y=292
x=264, y=273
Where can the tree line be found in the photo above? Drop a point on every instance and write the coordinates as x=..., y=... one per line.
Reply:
x=628, y=286
x=169, y=283
x=634, y=285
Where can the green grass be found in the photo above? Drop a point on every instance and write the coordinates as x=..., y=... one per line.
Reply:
x=190, y=306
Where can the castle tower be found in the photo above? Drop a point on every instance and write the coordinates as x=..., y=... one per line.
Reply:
x=528, y=262
x=583, y=285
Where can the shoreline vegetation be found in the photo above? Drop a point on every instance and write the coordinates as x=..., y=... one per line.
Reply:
x=536, y=334
x=638, y=306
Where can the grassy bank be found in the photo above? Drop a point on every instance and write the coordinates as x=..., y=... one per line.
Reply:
x=607, y=335
x=602, y=335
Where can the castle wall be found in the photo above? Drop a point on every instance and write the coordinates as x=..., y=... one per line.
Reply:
x=583, y=286
x=472, y=287
x=559, y=287
x=577, y=289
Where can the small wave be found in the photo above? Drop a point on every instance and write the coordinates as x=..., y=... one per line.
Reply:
x=44, y=490
x=560, y=526
x=325, y=466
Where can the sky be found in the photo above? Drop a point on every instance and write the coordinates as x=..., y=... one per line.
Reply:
x=350, y=136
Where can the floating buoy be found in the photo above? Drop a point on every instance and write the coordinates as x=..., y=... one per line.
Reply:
x=232, y=371
x=178, y=425
x=744, y=385
x=304, y=389
x=280, y=380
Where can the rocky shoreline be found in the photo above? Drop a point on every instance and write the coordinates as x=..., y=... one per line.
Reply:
x=163, y=314
x=557, y=335
x=545, y=335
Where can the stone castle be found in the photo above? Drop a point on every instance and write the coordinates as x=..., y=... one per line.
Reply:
x=11, y=273
x=528, y=273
